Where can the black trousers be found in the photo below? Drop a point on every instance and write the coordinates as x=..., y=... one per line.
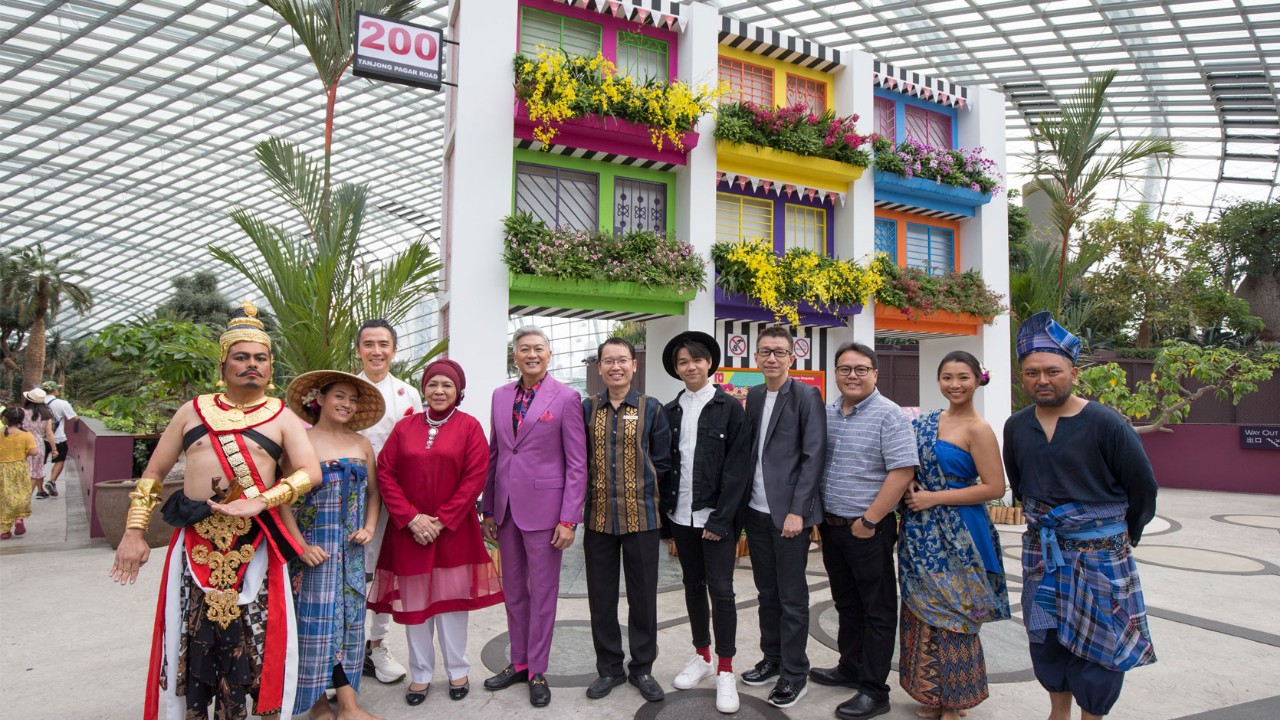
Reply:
x=778, y=565
x=865, y=590
x=637, y=553
x=708, y=570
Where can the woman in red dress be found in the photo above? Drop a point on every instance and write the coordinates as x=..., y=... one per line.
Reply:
x=434, y=568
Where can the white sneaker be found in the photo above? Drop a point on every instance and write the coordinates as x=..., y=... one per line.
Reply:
x=385, y=667
x=727, y=692
x=694, y=672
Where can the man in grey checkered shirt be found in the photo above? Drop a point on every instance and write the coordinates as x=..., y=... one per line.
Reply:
x=871, y=460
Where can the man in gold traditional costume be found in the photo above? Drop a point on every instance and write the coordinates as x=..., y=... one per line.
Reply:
x=225, y=627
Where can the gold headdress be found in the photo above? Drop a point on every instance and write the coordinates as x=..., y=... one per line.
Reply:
x=244, y=326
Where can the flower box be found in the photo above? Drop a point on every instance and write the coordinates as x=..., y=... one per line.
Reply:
x=631, y=299
x=927, y=194
x=608, y=135
x=890, y=320
x=733, y=306
x=785, y=167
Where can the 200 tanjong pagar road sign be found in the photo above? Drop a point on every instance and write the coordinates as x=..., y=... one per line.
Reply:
x=397, y=51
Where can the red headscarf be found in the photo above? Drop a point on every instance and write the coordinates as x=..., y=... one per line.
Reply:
x=451, y=370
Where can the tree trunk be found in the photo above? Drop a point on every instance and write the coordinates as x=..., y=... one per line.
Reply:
x=1263, y=295
x=1144, y=334
x=33, y=355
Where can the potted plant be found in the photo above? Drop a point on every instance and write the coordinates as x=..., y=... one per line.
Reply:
x=800, y=287
x=790, y=145
x=910, y=301
x=920, y=175
x=640, y=271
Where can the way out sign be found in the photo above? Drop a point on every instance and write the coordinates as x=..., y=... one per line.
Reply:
x=397, y=51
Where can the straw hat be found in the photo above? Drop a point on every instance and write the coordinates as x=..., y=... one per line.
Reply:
x=35, y=395
x=306, y=387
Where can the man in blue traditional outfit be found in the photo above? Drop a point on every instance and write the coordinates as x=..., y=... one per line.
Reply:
x=1087, y=490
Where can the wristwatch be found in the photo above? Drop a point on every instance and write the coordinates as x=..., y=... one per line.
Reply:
x=866, y=523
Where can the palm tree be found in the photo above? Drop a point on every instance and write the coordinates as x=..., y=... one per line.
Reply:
x=318, y=283
x=34, y=288
x=1071, y=166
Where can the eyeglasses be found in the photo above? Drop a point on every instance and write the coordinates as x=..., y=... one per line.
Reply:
x=778, y=353
x=615, y=362
x=860, y=370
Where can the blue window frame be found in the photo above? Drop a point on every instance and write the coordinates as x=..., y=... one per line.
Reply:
x=931, y=249
x=887, y=238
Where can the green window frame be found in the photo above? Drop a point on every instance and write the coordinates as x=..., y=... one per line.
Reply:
x=642, y=58
x=541, y=28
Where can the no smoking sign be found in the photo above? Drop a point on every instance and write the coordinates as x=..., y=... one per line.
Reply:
x=802, y=348
x=738, y=345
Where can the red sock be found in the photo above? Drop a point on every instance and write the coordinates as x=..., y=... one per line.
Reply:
x=705, y=652
x=726, y=665
x=520, y=668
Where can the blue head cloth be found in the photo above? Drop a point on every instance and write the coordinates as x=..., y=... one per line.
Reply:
x=1040, y=333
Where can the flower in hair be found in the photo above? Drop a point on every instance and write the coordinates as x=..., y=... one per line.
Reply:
x=311, y=401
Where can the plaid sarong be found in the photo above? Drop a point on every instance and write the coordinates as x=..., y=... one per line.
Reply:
x=331, y=596
x=1090, y=592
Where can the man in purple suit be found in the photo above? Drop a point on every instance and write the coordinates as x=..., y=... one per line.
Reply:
x=533, y=503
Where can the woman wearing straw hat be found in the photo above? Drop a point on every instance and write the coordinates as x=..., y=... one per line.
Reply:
x=38, y=420
x=332, y=522
x=433, y=568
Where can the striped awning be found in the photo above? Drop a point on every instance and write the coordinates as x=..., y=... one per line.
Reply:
x=615, y=158
x=923, y=212
x=659, y=13
x=921, y=86
x=773, y=44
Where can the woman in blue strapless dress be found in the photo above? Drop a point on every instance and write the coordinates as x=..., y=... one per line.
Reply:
x=949, y=564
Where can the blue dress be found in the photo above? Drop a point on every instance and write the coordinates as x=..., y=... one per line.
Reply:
x=330, y=597
x=952, y=580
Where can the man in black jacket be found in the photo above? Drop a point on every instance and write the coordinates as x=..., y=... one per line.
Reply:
x=788, y=448
x=703, y=503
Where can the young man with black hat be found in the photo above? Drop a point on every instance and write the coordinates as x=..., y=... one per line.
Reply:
x=703, y=503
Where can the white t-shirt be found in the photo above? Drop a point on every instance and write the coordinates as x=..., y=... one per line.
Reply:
x=759, y=499
x=401, y=399
x=62, y=412
x=692, y=404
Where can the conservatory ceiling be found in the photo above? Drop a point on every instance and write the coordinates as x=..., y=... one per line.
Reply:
x=127, y=126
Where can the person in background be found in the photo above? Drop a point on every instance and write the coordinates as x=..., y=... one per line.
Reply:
x=16, y=445
x=628, y=455
x=949, y=561
x=62, y=412
x=1087, y=491
x=705, y=503
x=434, y=568
x=38, y=420
x=376, y=348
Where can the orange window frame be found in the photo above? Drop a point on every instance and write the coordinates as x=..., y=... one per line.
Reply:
x=807, y=90
x=903, y=218
x=737, y=73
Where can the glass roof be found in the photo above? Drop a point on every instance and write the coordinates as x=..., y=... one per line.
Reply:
x=126, y=129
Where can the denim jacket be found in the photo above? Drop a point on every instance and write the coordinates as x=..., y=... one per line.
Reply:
x=721, y=463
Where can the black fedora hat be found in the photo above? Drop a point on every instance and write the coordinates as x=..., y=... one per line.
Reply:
x=677, y=342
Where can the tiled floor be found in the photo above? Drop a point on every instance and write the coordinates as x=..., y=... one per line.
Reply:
x=73, y=645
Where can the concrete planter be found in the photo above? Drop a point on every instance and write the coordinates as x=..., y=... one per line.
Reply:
x=785, y=167
x=532, y=291
x=732, y=306
x=112, y=505
x=936, y=324
x=609, y=135
x=927, y=194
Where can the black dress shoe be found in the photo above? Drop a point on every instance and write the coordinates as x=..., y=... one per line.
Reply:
x=834, y=677
x=649, y=688
x=861, y=706
x=506, y=678
x=417, y=697
x=762, y=673
x=539, y=693
x=457, y=692
x=604, y=685
x=788, y=692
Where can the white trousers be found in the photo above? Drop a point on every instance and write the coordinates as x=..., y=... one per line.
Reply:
x=452, y=629
x=376, y=625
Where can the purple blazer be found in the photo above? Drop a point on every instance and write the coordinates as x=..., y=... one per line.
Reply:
x=541, y=473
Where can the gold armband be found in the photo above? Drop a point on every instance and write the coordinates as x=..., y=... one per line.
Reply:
x=142, y=502
x=288, y=490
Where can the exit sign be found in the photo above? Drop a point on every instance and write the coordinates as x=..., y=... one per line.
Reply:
x=1260, y=437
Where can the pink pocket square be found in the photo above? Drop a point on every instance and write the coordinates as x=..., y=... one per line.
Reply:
x=547, y=416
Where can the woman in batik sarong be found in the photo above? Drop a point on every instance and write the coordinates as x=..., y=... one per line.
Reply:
x=434, y=568
x=334, y=521
x=949, y=563
x=16, y=446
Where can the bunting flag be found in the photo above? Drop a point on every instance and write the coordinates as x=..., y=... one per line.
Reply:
x=658, y=13
x=748, y=183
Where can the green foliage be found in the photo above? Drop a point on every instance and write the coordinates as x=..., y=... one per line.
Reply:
x=196, y=299
x=1248, y=240
x=1151, y=281
x=1162, y=399
x=633, y=332
x=752, y=268
x=916, y=293
x=639, y=256
x=1069, y=165
x=793, y=129
x=33, y=287
x=1020, y=229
